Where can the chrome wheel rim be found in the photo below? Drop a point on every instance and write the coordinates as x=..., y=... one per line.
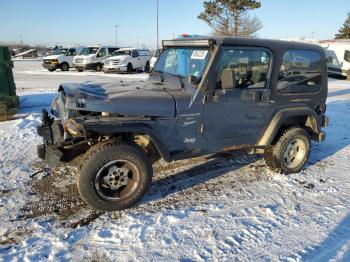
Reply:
x=117, y=179
x=294, y=154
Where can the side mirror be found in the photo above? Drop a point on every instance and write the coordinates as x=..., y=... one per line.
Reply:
x=193, y=80
x=329, y=59
x=228, y=79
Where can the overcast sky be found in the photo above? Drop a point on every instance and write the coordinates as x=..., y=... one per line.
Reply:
x=69, y=22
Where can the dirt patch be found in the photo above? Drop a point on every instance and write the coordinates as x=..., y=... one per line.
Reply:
x=55, y=194
x=14, y=237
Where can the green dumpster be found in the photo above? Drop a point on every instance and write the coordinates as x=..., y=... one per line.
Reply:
x=8, y=97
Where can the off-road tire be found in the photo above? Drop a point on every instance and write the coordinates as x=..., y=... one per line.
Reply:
x=98, y=67
x=130, y=69
x=106, y=152
x=64, y=67
x=274, y=154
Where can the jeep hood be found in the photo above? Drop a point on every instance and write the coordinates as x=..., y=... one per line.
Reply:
x=132, y=98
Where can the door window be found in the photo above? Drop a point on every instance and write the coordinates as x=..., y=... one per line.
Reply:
x=135, y=54
x=71, y=52
x=300, y=72
x=102, y=52
x=250, y=67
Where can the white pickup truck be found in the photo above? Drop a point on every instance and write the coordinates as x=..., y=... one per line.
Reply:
x=62, y=58
x=128, y=60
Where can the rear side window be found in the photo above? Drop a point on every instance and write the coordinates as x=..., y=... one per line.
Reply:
x=300, y=72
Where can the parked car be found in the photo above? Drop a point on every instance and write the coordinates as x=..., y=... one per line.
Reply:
x=92, y=57
x=128, y=60
x=205, y=95
x=155, y=57
x=62, y=58
x=338, y=57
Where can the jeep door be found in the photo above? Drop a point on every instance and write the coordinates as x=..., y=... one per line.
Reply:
x=237, y=104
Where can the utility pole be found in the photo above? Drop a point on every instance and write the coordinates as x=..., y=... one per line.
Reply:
x=116, y=35
x=157, y=24
x=21, y=39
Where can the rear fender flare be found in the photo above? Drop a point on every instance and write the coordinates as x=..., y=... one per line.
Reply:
x=282, y=116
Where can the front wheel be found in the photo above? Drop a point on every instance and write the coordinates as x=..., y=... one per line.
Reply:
x=130, y=68
x=290, y=152
x=147, y=67
x=65, y=67
x=114, y=176
x=98, y=67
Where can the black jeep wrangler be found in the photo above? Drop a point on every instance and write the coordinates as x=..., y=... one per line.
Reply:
x=205, y=95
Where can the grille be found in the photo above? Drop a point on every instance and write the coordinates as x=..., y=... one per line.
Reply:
x=79, y=60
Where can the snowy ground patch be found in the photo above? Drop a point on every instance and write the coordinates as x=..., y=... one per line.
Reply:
x=223, y=207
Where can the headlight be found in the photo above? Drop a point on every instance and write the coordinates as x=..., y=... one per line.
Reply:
x=71, y=127
x=54, y=61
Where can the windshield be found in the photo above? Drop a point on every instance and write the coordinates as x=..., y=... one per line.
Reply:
x=183, y=61
x=122, y=52
x=89, y=51
x=60, y=51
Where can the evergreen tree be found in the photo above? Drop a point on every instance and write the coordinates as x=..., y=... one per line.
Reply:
x=344, y=31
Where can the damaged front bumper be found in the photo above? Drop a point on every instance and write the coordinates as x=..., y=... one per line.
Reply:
x=55, y=149
x=53, y=134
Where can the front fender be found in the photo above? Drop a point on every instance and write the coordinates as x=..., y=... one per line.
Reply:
x=123, y=127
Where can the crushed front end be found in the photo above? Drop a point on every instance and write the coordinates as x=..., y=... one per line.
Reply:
x=56, y=148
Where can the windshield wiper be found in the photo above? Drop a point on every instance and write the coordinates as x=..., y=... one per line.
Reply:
x=181, y=80
x=161, y=75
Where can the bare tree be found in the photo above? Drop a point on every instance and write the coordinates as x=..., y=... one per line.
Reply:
x=230, y=17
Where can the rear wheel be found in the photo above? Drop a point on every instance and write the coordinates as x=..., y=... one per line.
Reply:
x=64, y=67
x=290, y=152
x=114, y=176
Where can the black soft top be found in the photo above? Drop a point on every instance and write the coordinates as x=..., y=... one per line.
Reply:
x=257, y=42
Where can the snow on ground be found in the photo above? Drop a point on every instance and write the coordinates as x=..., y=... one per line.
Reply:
x=223, y=207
